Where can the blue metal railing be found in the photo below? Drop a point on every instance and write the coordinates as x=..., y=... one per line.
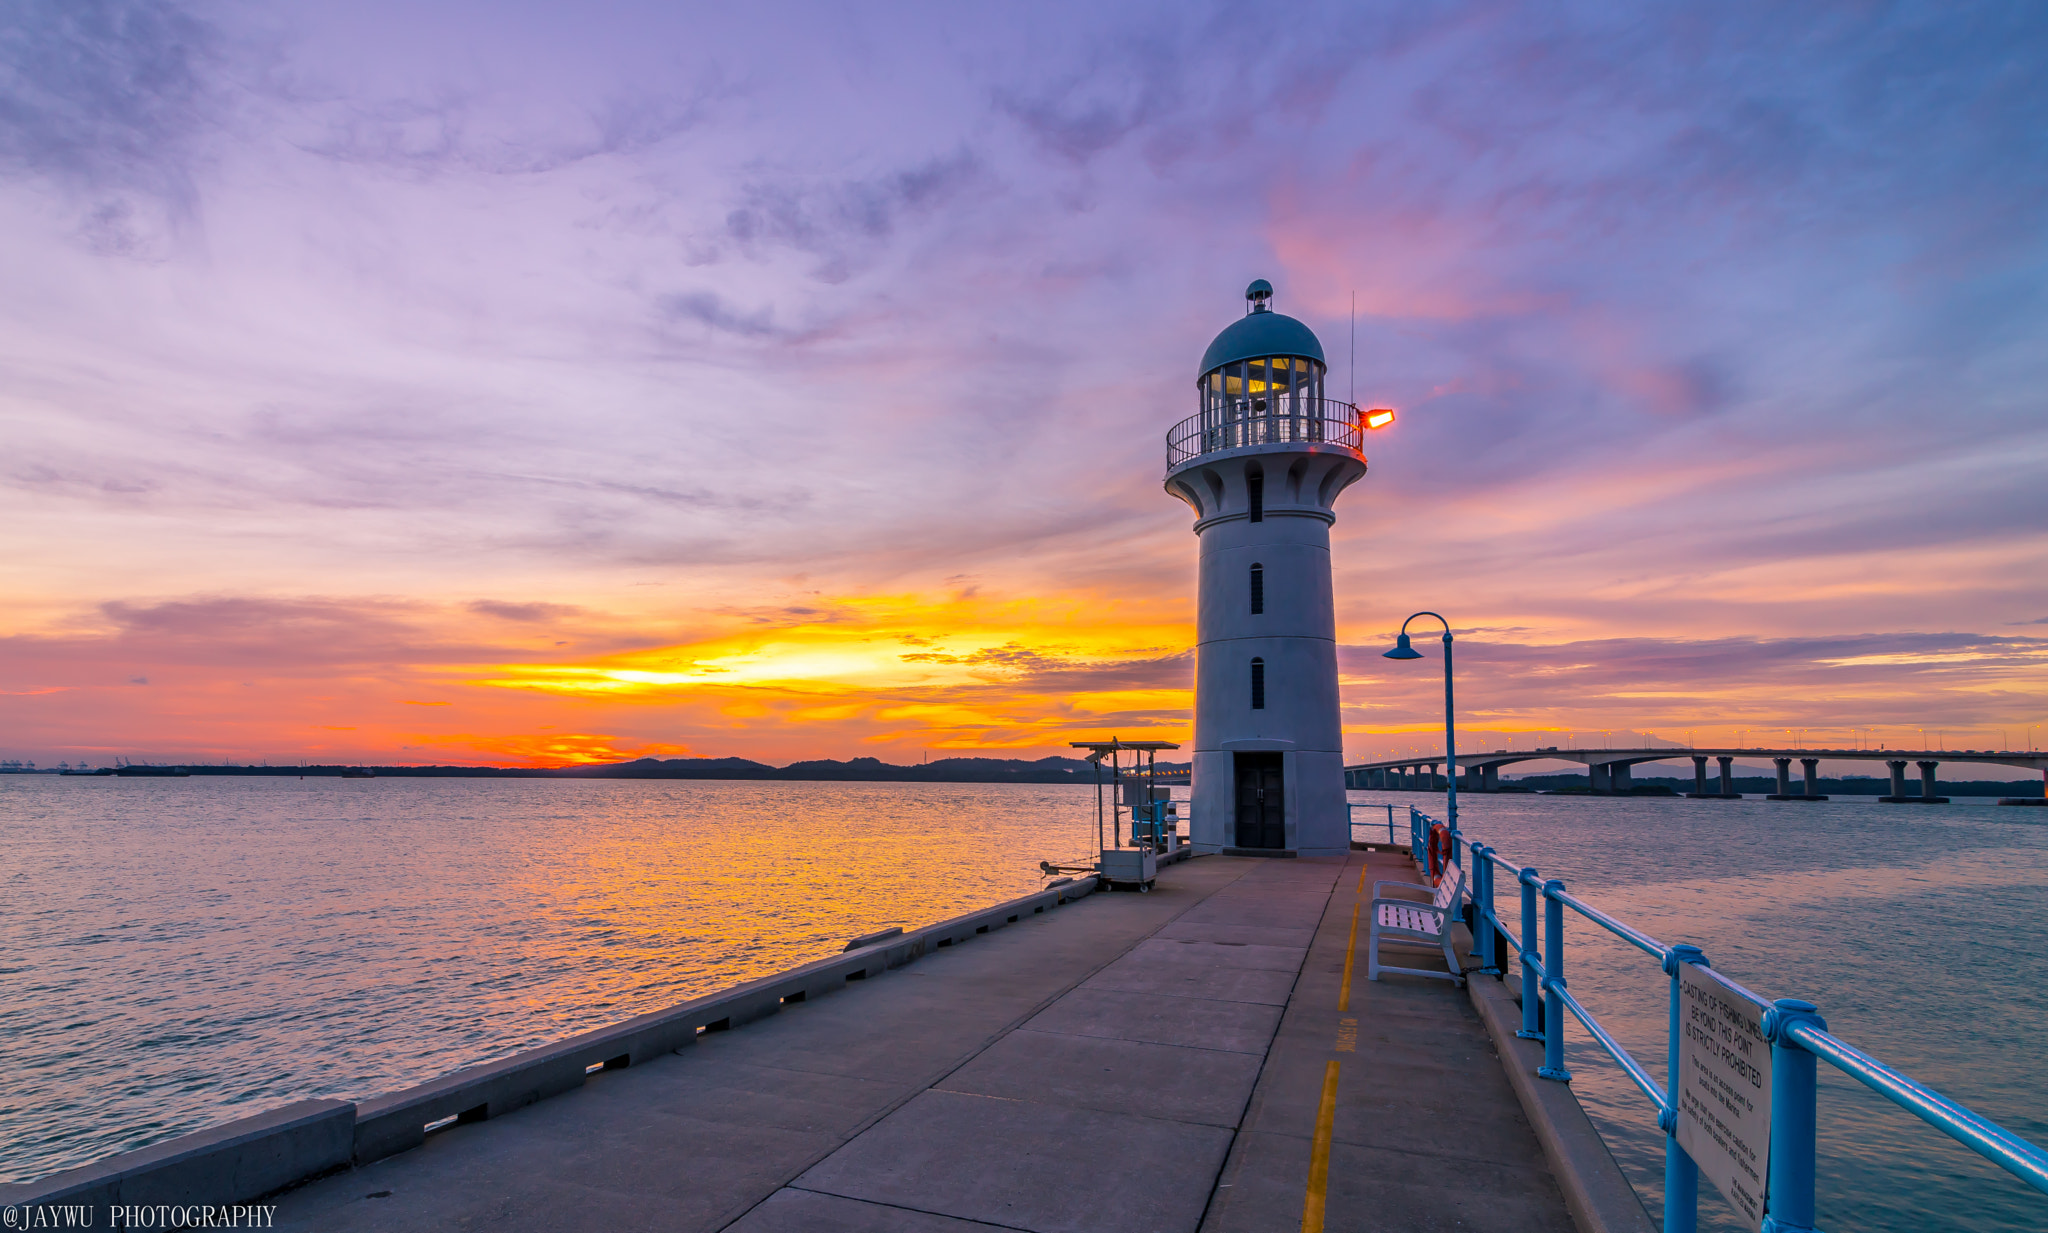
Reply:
x=1374, y=824
x=1798, y=1037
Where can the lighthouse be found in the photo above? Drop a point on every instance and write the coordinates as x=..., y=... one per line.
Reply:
x=1261, y=463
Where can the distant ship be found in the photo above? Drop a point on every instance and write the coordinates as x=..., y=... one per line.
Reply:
x=161, y=772
x=105, y=770
x=357, y=772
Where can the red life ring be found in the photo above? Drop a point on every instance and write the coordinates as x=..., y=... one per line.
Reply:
x=1439, y=852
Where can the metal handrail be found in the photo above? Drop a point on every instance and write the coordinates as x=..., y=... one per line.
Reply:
x=1627, y=933
x=1987, y=1137
x=1792, y=1026
x=1629, y=1065
x=1352, y=817
x=1265, y=421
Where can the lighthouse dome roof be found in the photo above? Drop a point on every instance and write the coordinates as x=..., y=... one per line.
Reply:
x=1258, y=333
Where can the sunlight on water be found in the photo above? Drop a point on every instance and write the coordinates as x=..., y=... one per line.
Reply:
x=1918, y=931
x=180, y=952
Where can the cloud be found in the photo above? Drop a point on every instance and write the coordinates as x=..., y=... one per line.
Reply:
x=1717, y=319
x=1894, y=681
x=708, y=308
x=845, y=224
x=105, y=93
x=111, y=102
x=523, y=612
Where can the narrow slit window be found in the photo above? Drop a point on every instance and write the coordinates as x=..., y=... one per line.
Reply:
x=1258, y=684
x=1255, y=484
x=1258, y=590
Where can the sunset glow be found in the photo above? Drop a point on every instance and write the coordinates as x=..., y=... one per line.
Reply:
x=534, y=391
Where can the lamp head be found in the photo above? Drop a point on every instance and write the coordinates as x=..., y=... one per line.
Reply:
x=1379, y=417
x=1402, y=650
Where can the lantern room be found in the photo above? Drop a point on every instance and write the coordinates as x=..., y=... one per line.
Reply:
x=1262, y=382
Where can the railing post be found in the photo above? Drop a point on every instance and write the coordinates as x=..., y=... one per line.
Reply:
x=1794, y=1119
x=1681, y=1174
x=1482, y=922
x=1553, y=982
x=1532, y=1021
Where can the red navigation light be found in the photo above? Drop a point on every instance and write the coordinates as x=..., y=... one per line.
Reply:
x=1379, y=417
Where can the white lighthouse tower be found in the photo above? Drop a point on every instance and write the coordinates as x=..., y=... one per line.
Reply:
x=1261, y=464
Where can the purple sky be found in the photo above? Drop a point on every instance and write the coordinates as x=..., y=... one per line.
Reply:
x=1716, y=331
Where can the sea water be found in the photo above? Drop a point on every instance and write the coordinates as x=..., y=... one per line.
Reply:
x=178, y=952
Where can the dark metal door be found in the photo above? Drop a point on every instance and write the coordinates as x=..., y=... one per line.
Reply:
x=1261, y=801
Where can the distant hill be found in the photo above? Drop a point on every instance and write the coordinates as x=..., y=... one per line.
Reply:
x=944, y=770
x=873, y=770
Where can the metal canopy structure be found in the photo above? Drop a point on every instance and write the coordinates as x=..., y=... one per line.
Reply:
x=1144, y=758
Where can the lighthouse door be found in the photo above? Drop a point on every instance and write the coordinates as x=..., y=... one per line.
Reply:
x=1261, y=801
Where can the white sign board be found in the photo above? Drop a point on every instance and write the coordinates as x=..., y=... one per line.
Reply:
x=1724, y=1089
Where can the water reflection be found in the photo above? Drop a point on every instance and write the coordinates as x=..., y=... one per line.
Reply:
x=178, y=952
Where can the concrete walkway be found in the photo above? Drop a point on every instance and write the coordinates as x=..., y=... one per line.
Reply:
x=1130, y=1062
x=1424, y=1132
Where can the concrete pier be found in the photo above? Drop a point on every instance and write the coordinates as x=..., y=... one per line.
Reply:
x=1192, y=1059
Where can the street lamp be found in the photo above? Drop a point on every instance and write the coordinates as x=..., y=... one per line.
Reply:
x=1404, y=651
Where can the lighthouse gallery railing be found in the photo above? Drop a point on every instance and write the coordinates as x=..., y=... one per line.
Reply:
x=1280, y=420
x=1797, y=1033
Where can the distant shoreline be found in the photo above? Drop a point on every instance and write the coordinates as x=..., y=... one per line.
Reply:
x=857, y=770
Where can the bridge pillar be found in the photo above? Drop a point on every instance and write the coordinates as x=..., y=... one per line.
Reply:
x=1599, y=778
x=1928, y=788
x=1490, y=777
x=1812, y=768
x=1727, y=775
x=1784, y=776
x=1699, y=774
x=1435, y=781
x=1898, y=770
x=1618, y=777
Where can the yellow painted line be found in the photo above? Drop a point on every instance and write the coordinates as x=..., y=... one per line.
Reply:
x=1350, y=953
x=1319, y=1156
x=1361, y=876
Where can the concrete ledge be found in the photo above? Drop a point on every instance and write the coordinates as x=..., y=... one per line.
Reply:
x=869, y=939
x=1913, y=800
x=1598, y=1196
x=1361, y=845
x=398, y=1121
x=235, y=1162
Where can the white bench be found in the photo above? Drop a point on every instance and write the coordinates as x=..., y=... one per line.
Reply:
x=1410, y=922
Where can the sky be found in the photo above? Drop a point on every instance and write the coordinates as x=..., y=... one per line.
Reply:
x=534, y=384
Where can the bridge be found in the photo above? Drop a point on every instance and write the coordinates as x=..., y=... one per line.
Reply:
x=1608, y=769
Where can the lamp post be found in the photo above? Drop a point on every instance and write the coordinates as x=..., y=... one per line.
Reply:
x=1404, y=651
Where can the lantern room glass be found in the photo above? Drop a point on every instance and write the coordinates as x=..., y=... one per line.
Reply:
x=1263, y=401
